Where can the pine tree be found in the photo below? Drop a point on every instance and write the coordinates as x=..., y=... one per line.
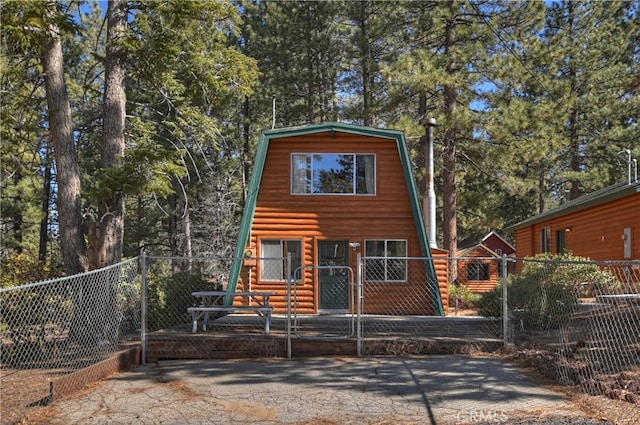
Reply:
x=568, y=112
x=69, y=199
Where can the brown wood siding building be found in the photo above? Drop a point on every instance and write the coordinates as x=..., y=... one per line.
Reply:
x=339, y=224
x=602, y=226
x=480, y=263
x=441, y=262
x=477, y=281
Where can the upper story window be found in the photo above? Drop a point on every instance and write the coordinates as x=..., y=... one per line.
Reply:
x=333, y=174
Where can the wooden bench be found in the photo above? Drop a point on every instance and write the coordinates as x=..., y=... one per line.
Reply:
x=261, y=308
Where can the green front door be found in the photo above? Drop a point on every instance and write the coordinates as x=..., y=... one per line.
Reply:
x=333, y=275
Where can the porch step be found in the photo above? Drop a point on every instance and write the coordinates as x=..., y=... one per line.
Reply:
x=172, y=349
x=221, y=348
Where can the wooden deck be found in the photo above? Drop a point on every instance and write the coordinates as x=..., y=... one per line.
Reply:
x=243, y=336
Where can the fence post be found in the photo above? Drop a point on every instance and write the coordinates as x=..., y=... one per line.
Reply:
x=506, y=340
x=359, y=306
x=288, y=268
x=143, y=306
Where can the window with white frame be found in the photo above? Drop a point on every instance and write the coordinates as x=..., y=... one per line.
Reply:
x=386, y=260
x=333, y=174
x=478, y=271
x=273, y=253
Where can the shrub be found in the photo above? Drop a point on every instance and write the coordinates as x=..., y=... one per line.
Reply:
x=546, y=292
x=490, y=303
x=21, y=268
x=170, y=295
x=462, y=297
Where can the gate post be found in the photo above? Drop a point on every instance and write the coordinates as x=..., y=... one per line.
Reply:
x=359, y=305
x=288, y=268
x=506, y=339
x=143, y=306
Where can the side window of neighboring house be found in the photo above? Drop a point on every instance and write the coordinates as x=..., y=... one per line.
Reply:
x=561, y=245
x=386, y=260
x=478, y=271
x=273, y=251
x=627, y=242
x=545, y=239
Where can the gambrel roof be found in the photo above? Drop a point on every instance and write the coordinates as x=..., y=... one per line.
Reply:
x=256, y=178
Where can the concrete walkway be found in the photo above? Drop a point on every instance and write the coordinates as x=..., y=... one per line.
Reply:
x=427, y=390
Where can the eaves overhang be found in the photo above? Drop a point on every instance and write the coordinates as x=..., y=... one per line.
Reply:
x=599, y=197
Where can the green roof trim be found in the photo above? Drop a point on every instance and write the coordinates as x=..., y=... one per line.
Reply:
x=601, y=196
x=256, y=179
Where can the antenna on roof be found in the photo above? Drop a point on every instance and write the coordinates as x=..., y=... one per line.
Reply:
x=629, y=161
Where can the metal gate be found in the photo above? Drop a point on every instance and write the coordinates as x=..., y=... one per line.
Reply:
x=330, y=322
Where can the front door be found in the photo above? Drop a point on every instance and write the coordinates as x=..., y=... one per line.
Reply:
x=333, y=275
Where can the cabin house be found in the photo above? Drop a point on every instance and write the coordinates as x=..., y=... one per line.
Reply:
x=479, y=265
x=325, y=193
x=603, y=226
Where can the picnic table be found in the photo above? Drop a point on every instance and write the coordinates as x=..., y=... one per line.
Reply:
x=222, y=301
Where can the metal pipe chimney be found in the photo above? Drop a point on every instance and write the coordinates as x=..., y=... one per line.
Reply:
x=429, y=201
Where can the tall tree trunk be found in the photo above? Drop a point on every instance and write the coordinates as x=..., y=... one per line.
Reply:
x=449, y=188
x=574, y=141
x=365, y=53
x=18, y=219
x=44, y=222
x=69, y=202
x=172, y=230
x=541, y=192
x=185, y=227
x=246, y=147
x=111, y=231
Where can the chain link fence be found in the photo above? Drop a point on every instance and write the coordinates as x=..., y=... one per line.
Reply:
x=576, y=321
x=399, y=304
x=177, y=286
x=579, y=323
x=58, y=335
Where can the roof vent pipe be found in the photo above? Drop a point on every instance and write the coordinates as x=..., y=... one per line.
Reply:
x=429, y=202
x=273, y=113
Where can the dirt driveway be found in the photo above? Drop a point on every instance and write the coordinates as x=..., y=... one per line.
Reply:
x=389, y=390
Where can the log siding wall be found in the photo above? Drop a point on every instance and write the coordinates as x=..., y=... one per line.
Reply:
x=595, y=233
x=353, y=218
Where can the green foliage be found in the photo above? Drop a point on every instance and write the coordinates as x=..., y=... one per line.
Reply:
x=144, y=171
x=25, y=318
x=169, y=296
x=22, y=268
x=547, y=290
x=553, y=84
x=462, y=297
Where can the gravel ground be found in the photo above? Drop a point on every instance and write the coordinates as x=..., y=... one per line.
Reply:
x=442, y=390
x=547, y=421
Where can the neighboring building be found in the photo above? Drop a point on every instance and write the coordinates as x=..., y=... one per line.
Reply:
x=603, y=225
x=498, y=244
x=479, y=264
x=325, y=193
